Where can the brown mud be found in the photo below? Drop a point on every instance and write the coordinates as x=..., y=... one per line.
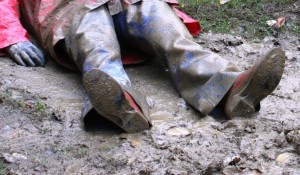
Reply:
x=41, y=132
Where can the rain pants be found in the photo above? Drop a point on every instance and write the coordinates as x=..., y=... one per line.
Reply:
x=49, y=21
x=86, y=28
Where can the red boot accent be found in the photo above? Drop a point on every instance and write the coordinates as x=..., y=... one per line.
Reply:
x=132, y=102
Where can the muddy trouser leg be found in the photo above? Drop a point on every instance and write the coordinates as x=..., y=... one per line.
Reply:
x=201, y=77
x=94, y=47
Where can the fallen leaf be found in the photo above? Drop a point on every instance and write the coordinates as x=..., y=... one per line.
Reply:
x=224, y=1
x=280, y=22
x=276, y=23
x=19, y=156
x=178, y=132
x=135, y=143
x=285, y=157
x=271, y=22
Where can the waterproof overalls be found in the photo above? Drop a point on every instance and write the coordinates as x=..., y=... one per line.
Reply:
x=91, y=33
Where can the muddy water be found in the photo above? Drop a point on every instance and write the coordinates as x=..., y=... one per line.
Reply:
x=41, y=132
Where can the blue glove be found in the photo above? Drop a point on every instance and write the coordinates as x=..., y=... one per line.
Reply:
x=26, y=54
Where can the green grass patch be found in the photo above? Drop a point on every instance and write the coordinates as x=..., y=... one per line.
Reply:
x=243, y=17
x=3, y=169
x=28, y=103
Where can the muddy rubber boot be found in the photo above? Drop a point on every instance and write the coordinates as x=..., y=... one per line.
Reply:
x=93, y=45
x=110, y=100
x=255, y=84
x=201, y=77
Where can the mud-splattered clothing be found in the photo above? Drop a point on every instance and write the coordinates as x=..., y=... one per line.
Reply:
x=50, y=20
x=90, y=33
x=201, y=77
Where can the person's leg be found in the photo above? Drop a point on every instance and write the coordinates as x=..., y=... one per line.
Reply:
x=201, y=77
x=94, y=47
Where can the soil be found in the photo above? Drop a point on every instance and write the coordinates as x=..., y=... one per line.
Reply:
x=41, y=130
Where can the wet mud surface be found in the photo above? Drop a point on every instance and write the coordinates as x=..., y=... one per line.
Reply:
x=41, y=131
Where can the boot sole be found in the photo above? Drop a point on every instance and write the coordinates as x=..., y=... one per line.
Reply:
x=109, y=100
x=263, y=78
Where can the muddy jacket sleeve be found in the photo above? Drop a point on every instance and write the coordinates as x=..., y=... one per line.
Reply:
x=11, y=29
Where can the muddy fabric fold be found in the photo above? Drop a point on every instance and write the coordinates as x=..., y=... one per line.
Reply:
x=201, y=77
x=81, y=32
x=50, y=20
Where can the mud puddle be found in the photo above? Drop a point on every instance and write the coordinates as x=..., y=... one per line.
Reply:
x=41, y=133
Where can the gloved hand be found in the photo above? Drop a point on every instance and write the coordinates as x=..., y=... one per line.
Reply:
x=26, y=54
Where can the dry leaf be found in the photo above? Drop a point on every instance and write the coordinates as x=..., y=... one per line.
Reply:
x=19, y=156
x=135, y=143
x=280, y=22
x=285, y=157
x=178, y=132
x=271, y=22
x=276, y=23
x=224, y=1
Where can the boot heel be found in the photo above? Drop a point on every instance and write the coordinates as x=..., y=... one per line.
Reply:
x=243, y=108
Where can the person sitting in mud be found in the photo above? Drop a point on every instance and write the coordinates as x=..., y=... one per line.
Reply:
x=90, y=35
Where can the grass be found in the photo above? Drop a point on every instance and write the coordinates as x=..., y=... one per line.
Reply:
x=39, y=105
x=3, y=169
x=243, y=17
x=30, y=104
x=76, y=151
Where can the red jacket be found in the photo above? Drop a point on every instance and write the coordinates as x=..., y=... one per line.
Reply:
x=11, y=30
x=49, y=20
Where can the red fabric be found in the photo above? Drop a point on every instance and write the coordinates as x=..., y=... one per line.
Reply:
x=11, y=30
x=133, y=57
x=192, y=25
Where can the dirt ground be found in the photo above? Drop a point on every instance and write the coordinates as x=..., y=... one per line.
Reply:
x=41, y=131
